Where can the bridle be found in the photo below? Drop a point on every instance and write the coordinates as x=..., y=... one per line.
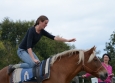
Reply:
x=85, y=67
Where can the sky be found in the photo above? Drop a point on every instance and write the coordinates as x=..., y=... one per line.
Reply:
x=91, y=22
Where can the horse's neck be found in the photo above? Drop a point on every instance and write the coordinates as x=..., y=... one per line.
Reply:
x=3, y=75
x=74, y=69
x=67, y=66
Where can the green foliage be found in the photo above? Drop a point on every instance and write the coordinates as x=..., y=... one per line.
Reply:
x=14, y=30
x=110, y=46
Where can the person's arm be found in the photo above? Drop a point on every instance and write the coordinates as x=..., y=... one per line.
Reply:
x=31, y=55
x=110, y=70
x=29, y=44
x=57, y=38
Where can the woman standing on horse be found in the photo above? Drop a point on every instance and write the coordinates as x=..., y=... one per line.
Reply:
x=33, y=35
x=106, y=58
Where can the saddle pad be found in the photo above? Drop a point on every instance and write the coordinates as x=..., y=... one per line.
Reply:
x=21, y=75
x=42, y=72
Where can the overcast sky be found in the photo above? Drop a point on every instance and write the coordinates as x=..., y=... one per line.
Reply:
x=91, y=22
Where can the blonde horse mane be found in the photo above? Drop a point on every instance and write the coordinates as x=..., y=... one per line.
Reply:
x=92, y=56
x=70, y=53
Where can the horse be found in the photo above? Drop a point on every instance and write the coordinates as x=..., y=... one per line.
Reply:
x=66, y=65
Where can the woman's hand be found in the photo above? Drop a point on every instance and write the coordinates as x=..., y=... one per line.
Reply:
x=71, y=40
x=111, y=75
x=83, y=76
x=57, y=38
x=36, y=61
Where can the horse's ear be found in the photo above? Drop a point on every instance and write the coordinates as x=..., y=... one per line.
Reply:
x=94, y=48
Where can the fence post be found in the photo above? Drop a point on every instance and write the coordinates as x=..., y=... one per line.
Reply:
x=75, y=79
x=113, y=79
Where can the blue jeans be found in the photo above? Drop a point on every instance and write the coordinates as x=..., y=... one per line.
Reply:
x=25, y=57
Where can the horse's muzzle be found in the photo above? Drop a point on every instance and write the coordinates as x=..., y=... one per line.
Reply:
x=104, y=76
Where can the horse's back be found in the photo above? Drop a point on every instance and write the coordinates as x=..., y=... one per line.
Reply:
x=4, y=77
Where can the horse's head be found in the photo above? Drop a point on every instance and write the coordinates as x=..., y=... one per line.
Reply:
x=92, y=64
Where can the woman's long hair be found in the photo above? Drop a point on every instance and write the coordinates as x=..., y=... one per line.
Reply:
x=42, y=18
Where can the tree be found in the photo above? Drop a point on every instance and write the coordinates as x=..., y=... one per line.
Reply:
x=14, y=30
